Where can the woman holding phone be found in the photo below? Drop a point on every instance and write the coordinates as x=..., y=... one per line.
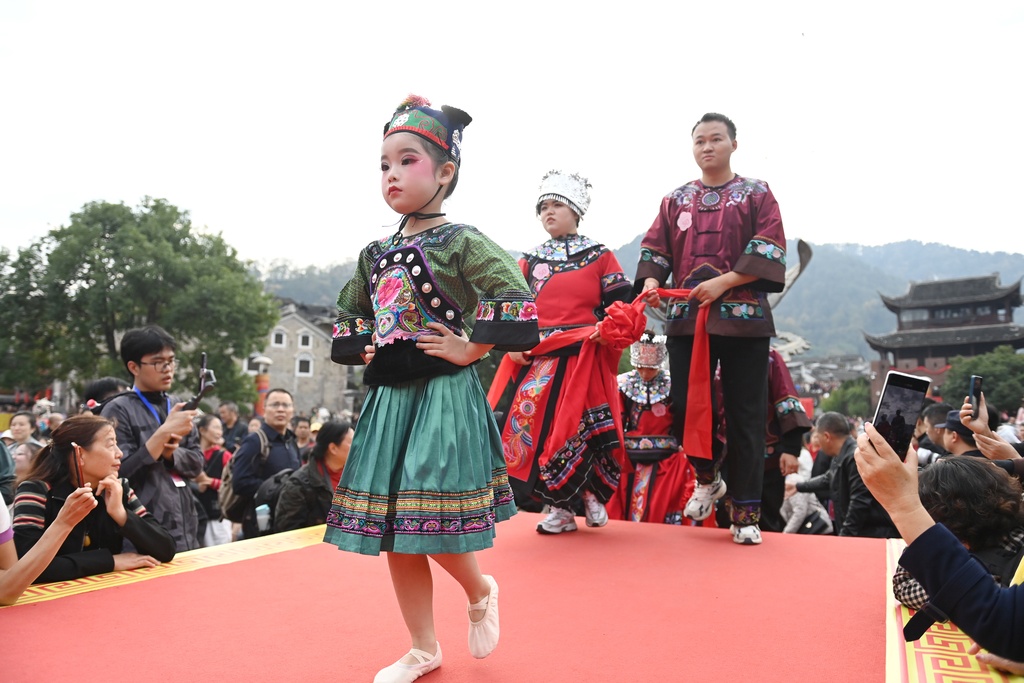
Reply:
x=83, y=452
x=961, y=588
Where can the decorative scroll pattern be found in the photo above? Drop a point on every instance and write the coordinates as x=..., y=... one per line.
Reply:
x=940, y=655
x=183, y=562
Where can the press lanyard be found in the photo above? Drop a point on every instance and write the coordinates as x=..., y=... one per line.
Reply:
x=175, y=477
x=151, y=407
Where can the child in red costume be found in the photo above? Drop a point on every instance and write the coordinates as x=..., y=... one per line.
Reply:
x=661, y=479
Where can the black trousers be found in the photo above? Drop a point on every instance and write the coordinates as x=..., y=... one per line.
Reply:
x=744, y=381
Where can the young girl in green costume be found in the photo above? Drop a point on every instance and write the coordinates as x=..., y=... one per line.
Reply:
x=426, y=478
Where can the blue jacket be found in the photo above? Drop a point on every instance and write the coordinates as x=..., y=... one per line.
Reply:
x=962, y=589
x=246, y=475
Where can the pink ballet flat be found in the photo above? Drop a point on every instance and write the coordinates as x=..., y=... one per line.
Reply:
x=406, y=673
x=483, y=634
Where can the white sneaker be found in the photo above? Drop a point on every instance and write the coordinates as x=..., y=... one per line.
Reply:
x=746, y=535
x=557, y=521
x=596, y=514
x=702, y=502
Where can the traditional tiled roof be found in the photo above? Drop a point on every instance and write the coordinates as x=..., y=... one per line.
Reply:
x=1006, y=333
x=985, y=288
x=321, y=316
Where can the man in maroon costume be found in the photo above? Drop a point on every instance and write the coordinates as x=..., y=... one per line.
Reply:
x=722, y=237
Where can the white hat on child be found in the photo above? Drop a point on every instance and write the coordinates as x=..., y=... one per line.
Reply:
x=571, y=188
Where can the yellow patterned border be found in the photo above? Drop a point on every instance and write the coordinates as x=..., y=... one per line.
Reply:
x=182, y=562
x=940, y=655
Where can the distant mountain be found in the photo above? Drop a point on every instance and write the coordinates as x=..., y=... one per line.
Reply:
x=837, y=297
x=833, y=303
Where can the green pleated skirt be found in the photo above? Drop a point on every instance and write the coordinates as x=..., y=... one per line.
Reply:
x=425, y=473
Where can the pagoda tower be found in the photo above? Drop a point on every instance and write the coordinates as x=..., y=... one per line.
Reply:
x=941, y=319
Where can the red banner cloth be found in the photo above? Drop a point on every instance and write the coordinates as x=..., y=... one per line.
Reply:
x=597, y=368
x=697, y=434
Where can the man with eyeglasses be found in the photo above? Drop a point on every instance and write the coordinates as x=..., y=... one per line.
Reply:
x=249, y=469
x=160, y=446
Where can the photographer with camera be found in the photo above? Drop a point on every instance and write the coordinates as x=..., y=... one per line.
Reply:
x=156, y=435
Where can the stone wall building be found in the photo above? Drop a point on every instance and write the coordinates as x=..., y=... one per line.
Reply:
x=299, y=348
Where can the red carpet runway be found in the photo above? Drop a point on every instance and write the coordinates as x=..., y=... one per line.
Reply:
x=629, y=602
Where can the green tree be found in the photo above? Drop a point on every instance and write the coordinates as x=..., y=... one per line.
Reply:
x=852, y=398
x=67, y=298
x=1003, y=373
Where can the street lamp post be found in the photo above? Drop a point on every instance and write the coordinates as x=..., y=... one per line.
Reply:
x=262, y=382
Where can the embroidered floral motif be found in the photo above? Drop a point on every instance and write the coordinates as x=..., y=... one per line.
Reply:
x=389, y=289
x=541, y=271
x=557, y=267
x=346, y=327
x=399, y=314
x=612, y=280
x=641, y=492
x=739, y=189
x=633, y=386
x=743, y=514
x=788, y=405
x=679, y=310
x=768, y=250
x=745, y=311
x=515, y=311
x=563, y=248
x=656, y=258
x=518, y=441
x=685, y=194
x=651, y=442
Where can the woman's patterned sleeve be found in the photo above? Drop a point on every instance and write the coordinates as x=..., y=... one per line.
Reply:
x=354, y=327
x=506, y=315
x=907, y=590
x=615, y=286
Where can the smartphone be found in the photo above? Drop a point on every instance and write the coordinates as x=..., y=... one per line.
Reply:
x=974, y=394
x=898, y=409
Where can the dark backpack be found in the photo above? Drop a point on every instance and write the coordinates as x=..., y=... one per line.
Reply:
x=233, y=506
x=270, y=491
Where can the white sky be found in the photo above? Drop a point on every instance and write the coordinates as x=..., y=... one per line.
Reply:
x=873, y=122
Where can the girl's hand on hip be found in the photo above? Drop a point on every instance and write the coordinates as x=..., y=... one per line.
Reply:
x=452, y=347
x=370, y=349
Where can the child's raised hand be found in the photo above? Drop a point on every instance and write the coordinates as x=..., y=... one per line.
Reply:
x=454, y=348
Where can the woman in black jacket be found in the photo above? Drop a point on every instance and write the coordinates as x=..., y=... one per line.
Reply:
x=306, y=495
x=83, y=452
